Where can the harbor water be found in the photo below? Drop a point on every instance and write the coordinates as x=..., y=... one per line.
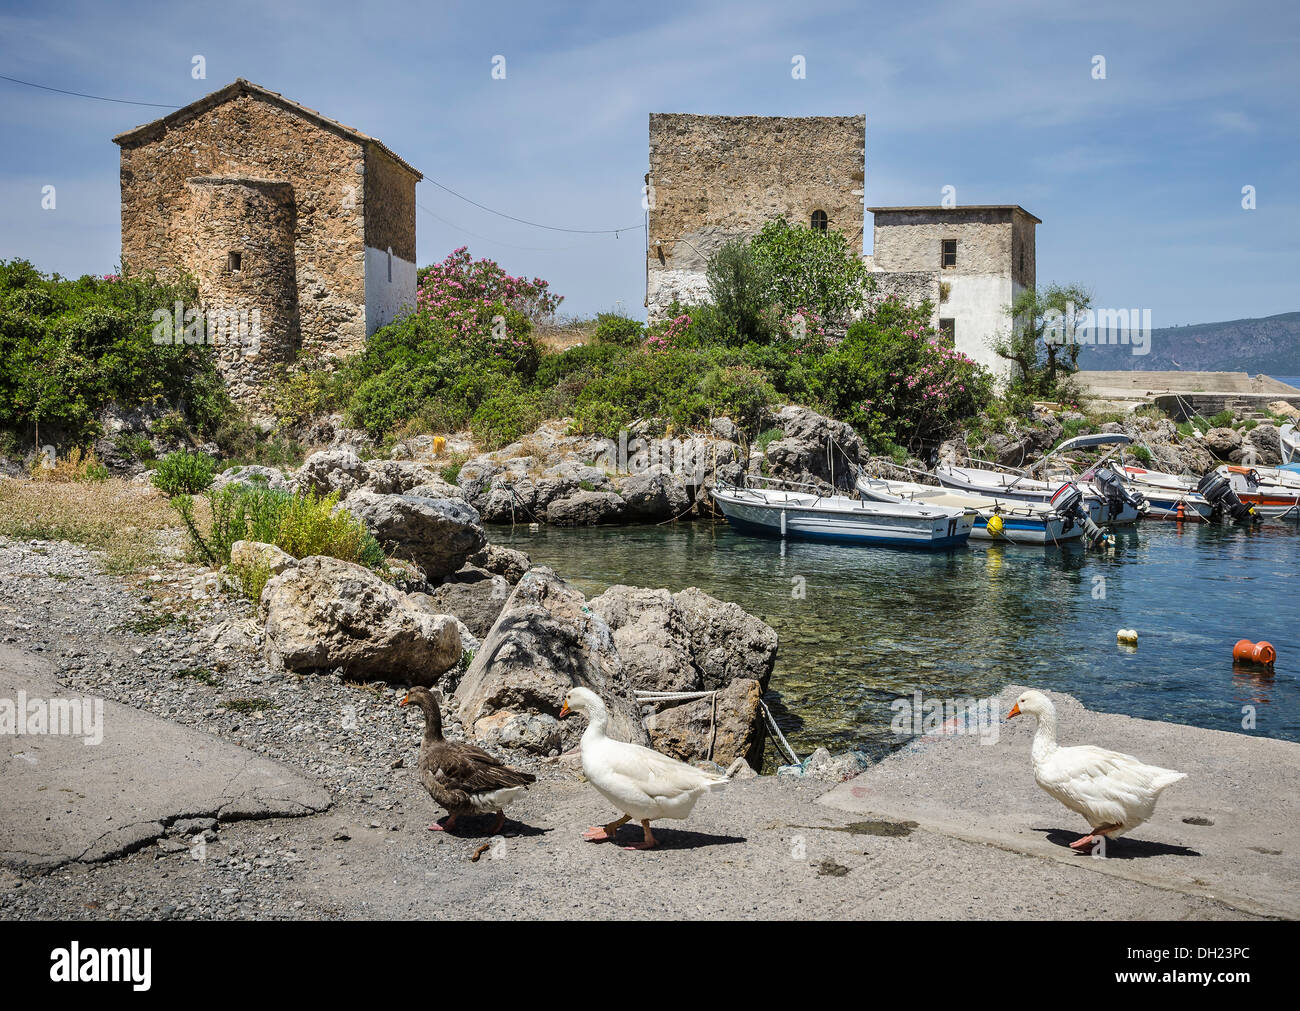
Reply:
x=860, y=627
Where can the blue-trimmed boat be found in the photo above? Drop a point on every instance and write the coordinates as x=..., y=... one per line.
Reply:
x=810, y=516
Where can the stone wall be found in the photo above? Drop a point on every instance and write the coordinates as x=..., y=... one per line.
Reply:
x=715, y=178
x=912, y=287
x=250, y=136
x=909, y=240
x=251, y=309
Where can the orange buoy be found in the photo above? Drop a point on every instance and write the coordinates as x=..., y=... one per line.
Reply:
x=1261, y=653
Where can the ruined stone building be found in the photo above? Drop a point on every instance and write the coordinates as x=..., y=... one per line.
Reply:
x=284, y=217
x=970, y=262
x=715, y=178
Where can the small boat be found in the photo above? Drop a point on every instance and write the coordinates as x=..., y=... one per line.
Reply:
x=1271, y=492
x=1009, y=520
x=807, y=515
x=1171, y=496
x=1288, y=437
x=1108, y=499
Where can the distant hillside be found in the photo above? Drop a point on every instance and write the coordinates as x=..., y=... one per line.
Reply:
x=1270, y=344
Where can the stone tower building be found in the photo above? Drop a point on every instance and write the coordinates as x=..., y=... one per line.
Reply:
x=970, y=262
x=715, y=178
x=293, y=224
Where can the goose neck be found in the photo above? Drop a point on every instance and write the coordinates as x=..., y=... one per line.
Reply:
x=1045, y=735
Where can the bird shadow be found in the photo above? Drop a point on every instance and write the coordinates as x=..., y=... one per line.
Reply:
x=675, y=839
x=481, y=827
x=1122, y=848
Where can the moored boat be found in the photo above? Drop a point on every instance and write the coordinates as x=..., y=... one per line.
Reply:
x=1270, y=492
x=806, y=515
x=1171, y=496
x=1288, y=437
x=1009, y=521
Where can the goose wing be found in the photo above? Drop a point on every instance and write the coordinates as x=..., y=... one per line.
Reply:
x=459, y=766
x=657, y=776
x=1108, y=785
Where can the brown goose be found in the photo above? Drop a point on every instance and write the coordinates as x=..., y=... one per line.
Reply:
x=459, y=776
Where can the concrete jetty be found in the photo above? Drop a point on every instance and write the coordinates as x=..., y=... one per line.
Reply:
x=1222, y=833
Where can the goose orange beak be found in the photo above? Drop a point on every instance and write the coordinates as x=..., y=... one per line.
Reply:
x=1015, y=711
x=405, y=699
x=564, y=711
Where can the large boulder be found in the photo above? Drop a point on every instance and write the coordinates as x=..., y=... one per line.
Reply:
x=1260, y=447
x=585, y=508
x=473, y=595
x=325, y=613
x=814, y=450
x=502, y=561
x=1222, y=441
x=401, y=477
x=438, y=534
x=696, y=730
x=545, y=642
x=338, y=469
x=654, y=494
x=691, y=642
x=651, y=636
x=254, y=554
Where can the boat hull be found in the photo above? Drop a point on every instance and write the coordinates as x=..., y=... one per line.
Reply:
x=797, y=520
x=1039, y=491
x=1021, y=522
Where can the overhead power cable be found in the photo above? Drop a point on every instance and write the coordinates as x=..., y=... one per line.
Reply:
x=82, y=94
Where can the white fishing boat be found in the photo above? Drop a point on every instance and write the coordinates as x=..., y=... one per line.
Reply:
x=1009, y=521
x=1108, y=500
x=807, y=515
x=1288, y=437
x=1171, y=496
x=1270, y=492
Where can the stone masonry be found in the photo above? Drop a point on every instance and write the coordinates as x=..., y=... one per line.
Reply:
x=715, y=178
x=271, y=207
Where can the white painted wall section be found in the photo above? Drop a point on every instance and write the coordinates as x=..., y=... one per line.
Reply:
x=390, y=288
x=976, y=303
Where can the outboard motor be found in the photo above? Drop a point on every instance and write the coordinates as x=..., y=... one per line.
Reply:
x=1216, y=489
x=1067, y=500
x=1118, y=494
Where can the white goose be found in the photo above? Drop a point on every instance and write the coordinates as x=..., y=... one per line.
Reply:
x=641, y=783
x=1114, y=791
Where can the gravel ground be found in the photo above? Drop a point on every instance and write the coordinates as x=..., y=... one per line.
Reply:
x=164, y=643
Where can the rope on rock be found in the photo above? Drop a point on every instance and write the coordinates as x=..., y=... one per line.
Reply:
x=782, y=743
x=648, y=696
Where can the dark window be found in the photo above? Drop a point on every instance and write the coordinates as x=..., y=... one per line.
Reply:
x=234, y=262
x=819, y=221
x=948, y=253
x=1022, y=261
x=948, y=327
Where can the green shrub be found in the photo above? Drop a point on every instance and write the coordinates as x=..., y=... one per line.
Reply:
x=740, y=287
x=506, y=416
x=184, y=473
x=71, y=348
x=1222, y=420
x=807, y=269
x=611, y=328
x=253, y=577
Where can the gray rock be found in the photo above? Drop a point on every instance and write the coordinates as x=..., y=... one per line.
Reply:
x=585, y=508
x=697, y=729
x=1222, y=441
x=503, y=561
x=326, y=613
x=473, y=595
x=1260, y=447
x=330, y=470
x=654, y=494
x=814, y=449
x=726, y=641
x=437, y=534
x=725, y=428
x=545, y=642
x=249, y=554
x=397, y=477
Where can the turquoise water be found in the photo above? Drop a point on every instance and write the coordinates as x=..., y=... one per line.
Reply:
x=877, y=624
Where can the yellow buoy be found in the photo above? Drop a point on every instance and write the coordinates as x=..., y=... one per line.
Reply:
x=994, y=525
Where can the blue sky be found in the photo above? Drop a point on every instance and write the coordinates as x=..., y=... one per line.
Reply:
x=1137, y=177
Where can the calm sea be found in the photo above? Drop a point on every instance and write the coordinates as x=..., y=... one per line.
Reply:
x=877, y=624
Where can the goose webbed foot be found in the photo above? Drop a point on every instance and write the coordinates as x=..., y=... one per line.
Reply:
x=447, y=824
x=604, y=833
